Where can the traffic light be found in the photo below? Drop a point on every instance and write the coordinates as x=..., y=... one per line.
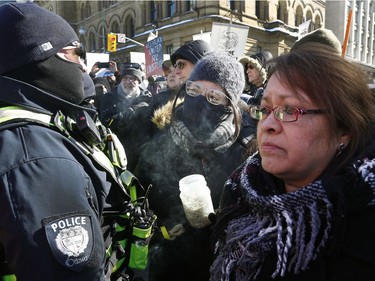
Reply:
x=111, y=42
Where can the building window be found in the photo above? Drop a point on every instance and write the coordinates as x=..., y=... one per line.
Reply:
x=299, y=16
x=115, y=28
x=190, y=5
x=153, y=11
x=129, y=27
x=318, y=23
x=261, y=9
x=232, y=5
x=88, y=10
x=282, y=12
x=169, y=49
x=92, y=42
x=171, y=6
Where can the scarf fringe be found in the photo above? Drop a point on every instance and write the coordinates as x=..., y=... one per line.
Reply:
x=295, y=226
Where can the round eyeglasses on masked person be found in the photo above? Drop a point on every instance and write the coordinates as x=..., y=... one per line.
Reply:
x=210, y=103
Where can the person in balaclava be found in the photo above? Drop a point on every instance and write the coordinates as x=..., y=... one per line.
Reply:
x=52, y=195
x=204, y=137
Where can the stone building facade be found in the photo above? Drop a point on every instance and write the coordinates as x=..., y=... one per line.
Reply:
x=273, y=24
x=361, y=31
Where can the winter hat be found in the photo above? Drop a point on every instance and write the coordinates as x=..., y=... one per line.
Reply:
x=223, y=69
x=102, y=81
x=192, y=51
x=259, y=62
x=323, y=36
x=166, y=65
x=30, y=34
x=134, y=72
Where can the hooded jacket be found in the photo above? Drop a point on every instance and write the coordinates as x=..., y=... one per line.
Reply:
x=50, y=191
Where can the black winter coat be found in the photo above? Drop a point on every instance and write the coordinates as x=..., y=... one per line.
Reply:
x=50, y=191
x=163, y=163
x=129, y=120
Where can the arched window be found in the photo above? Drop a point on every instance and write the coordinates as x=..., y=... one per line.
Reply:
x=282, y=11
x=92, y=46
x=299, y=16
x=88, y=9
x=115, y=28
x=129, y=27
x=309, y=17
x=318, y=22
x=82, y=11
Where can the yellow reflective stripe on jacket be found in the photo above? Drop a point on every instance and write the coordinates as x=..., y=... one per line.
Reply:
x=15, y=112
x=8, y=277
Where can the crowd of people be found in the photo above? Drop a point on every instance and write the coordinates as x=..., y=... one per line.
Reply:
x=286, y=145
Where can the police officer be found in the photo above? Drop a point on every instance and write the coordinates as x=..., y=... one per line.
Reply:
x=52, y=192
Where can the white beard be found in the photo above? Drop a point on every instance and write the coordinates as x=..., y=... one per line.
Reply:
x=130, y=93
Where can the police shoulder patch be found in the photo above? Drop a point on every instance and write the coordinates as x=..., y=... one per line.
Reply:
x=71, y=239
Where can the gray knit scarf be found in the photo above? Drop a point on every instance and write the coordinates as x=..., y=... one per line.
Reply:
x=220, y=139
x=294, y=227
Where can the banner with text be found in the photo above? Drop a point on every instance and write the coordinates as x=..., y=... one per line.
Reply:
x=229, y=37
x=154, y=56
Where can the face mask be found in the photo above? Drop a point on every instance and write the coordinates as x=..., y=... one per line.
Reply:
x=201, y=117
x=56, y=76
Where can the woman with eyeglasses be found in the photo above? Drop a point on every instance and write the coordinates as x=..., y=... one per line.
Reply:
x=204, y=137
x=302, y=207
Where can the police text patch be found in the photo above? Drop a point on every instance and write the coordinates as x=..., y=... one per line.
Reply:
x=71, y=239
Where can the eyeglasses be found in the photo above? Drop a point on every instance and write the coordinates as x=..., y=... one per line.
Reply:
x=132, y=65
x=249, y=66
x=213, y=96
x=281, y=113
x=180, y=65
x=132, y=79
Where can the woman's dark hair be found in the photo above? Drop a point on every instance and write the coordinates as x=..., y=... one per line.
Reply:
x=334, y=84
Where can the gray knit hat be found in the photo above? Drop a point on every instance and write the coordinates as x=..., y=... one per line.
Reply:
x=30, y=34
x=223, y=69
x=323, y=36
x=134, y=72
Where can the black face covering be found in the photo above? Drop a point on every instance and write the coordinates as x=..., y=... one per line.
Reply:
x=56, y=76
x=202, y=117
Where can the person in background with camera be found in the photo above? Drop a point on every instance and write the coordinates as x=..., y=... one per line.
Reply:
x=302, y=207
x=205, y=137
x=52, y=192
x=124, y=110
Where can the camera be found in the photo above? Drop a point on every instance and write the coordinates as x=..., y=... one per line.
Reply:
x=103, y=64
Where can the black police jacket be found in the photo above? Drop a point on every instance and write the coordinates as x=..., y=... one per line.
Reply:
x=52, y=195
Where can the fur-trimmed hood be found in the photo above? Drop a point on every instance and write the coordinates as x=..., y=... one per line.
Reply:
x=259, y=62
x=163, y=115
